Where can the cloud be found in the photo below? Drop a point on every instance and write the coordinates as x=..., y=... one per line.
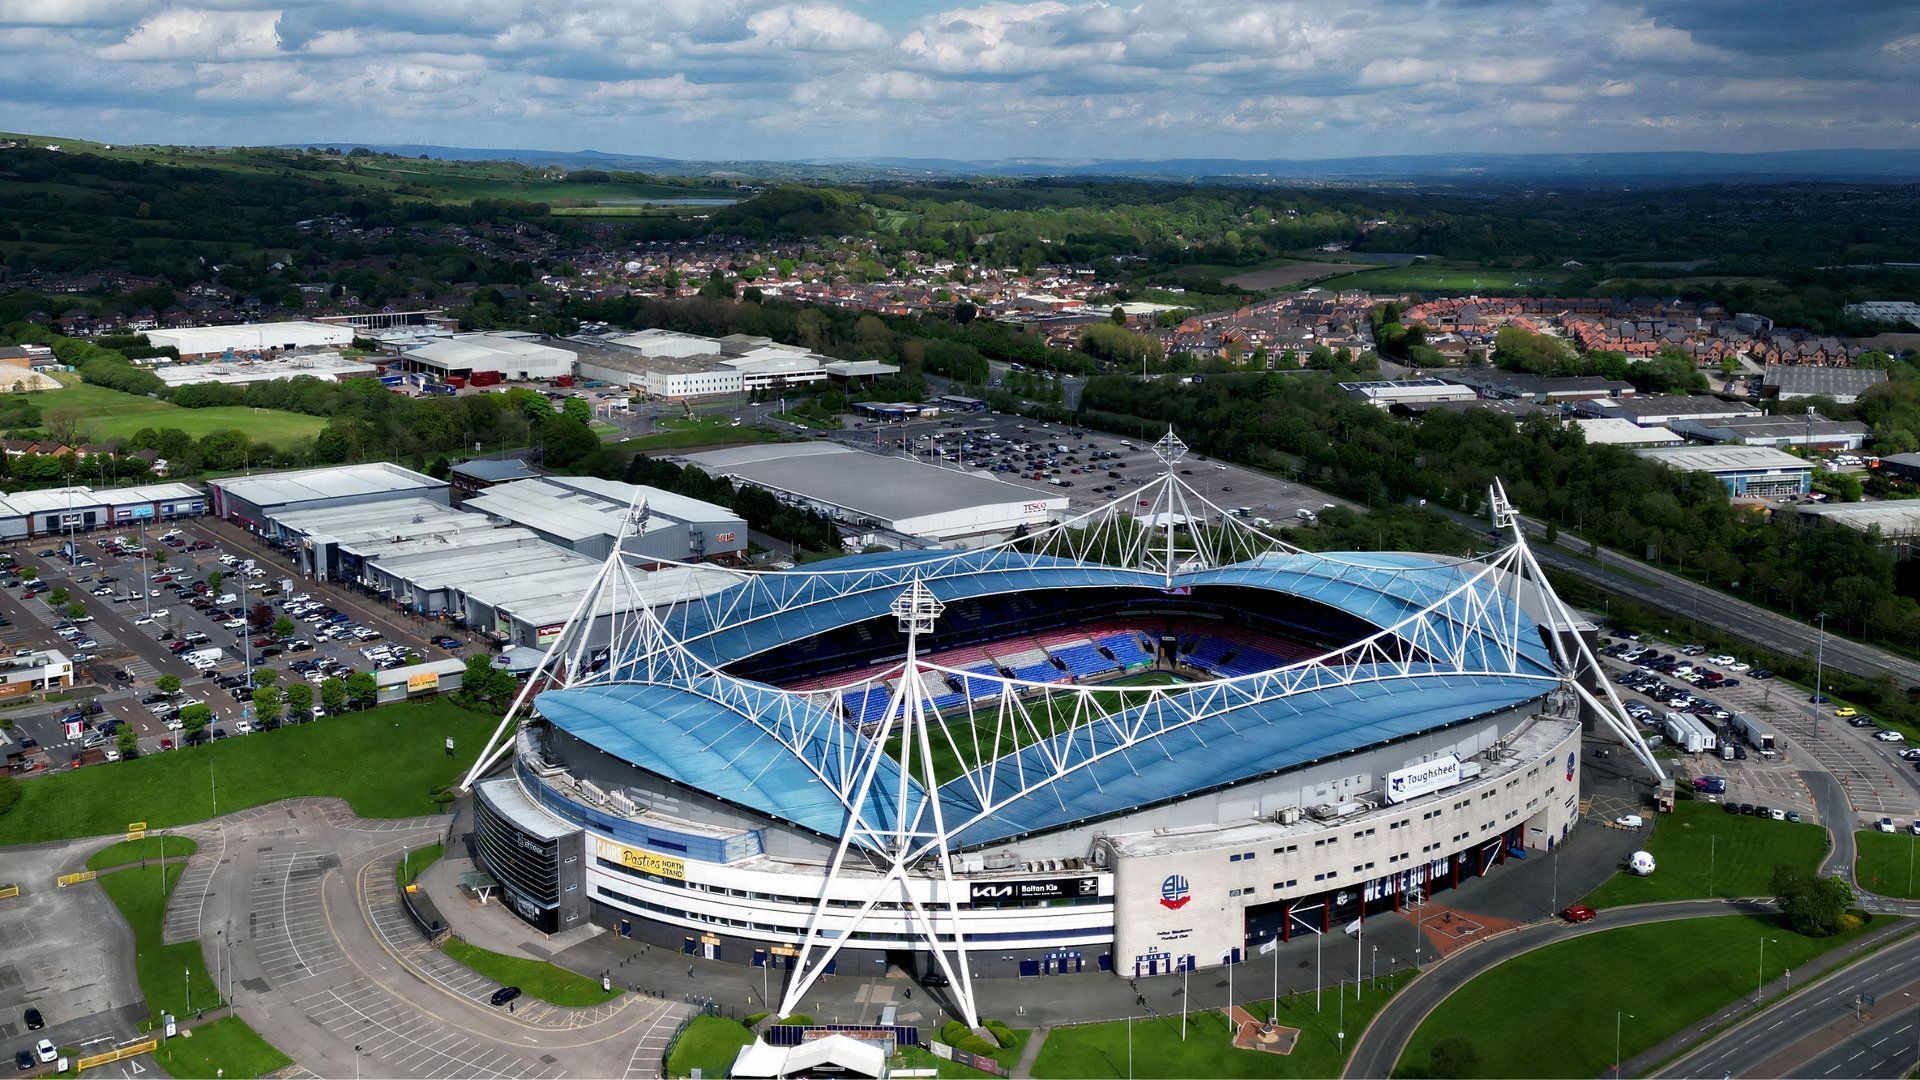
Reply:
x=963, y=78
x=197, y=34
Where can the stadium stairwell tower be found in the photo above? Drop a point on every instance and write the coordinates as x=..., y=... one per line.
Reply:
x=1438, y=619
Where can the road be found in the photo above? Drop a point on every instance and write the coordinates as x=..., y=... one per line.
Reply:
x=1818, y=1032
x=1650, y=585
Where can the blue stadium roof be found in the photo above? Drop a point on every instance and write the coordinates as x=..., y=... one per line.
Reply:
x=708, y=745
x=774, y=609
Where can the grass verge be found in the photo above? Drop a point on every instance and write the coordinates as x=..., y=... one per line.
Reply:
x=173, y=977
x=914, y=1057
x=1663, y=976
x=1101, y=1050
x=1888, y=863
x=384, y=762
x=535, y=978
x=706, y=431
x=1701, y=850
x=147, y=847
x=710, y=1043
x=414, y=863
x=226, y=1046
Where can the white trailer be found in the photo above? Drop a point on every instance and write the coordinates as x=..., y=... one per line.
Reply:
x=1688, y=734
x=1758, y=735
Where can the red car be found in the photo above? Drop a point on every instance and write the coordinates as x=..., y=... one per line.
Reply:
x=1578, y=913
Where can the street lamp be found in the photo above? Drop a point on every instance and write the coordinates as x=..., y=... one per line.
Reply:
x=1819, y=671
x=1318, y=937
x=1616, y=1041
x=1761, y=979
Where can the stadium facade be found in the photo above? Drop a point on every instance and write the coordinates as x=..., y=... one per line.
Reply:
x=1110, y=746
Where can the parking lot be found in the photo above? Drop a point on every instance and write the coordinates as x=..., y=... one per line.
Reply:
x=1093, y=470
x=153, y=609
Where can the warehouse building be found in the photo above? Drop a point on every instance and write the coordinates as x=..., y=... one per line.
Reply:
x=1385, y=394
x=55, y=511
x=1759, y=472
x=495, y=355
x=673, y=366
x=1844, y=385
x=1613, y=431
x=1662, y=410
x=328, y=366
x=1903, y=467
x=419, y=680
x=214, y=342
x=470, y=478
x=1805, y=432
x=254, y=501
x=898, y=494
x=336, y=543
x=586, y=515
x=1896, y=523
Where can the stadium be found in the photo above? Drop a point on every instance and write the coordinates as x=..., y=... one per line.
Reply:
x=1130, y=743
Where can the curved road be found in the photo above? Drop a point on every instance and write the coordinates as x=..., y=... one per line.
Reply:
x=1378, y=1049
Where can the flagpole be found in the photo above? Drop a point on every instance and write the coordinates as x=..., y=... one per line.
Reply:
x=1184, y=968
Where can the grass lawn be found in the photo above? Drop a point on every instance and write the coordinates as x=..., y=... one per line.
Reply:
x=536, y=978
x=1448, y=279
x=1701, y=850
x=1888, y=863
x=147, y=847
x=1667, y=976
x=914, y=1057
x=408, y=870
x=709, y=1044
x=227, y=1045
x=171, y=976
x=678, y=434
x=384, y=762
x=112, y=414
x=801, y=420
x=1100, y=1050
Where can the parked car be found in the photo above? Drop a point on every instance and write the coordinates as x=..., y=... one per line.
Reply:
x=1578, y=913
x=504, y=995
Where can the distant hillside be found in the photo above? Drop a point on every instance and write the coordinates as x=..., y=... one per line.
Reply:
x=1647, y=167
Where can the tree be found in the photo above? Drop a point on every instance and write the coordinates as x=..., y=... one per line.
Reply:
x=128, y=742
x=29, y=574
x=266, y=706
x=167, y=684
x=214, y=578
x=964, y=312
x=299, y=702
x=284, y=627
x=1453, y=1058
x=578, y=409
x=260, y=615
x=58, y=596
x=63, y=423
x=1811, y=904
x=265, y=676
x=194, y=720
x=333, y=695
x=76, y=609
x=362, y=691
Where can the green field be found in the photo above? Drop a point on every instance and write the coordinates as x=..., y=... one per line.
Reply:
x=535, y=978
x=1419, y=278
x=709, y=1043
x=147, y=847
x=913, y=1057
x=1888, y=863
x=384, y=762
x=976, y=739
x=1662, y=977
x=1701, y=850
x=1100, y=1050
x=704, y=432
x=111, y=414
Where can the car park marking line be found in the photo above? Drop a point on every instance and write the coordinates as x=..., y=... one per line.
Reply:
x=196, y=881
x=398, y=1037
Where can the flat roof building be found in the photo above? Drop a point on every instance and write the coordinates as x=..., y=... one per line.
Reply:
x=672, y=365
x=1843, y=384
x=1538, y=389
x=509, y=354
x=895, y=493
x=1759, y=472
x=52, y=511
x=470, y=478
x=1896, y=522
x=255, y=500
x=1614, y=431
x=331, y=367
x=43, y=669
x=1808, y=433
x=207, y=342
x=584, y=514
x=1661, y=410
x=1384, y=394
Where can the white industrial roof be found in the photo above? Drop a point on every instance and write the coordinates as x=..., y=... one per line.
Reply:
x=319, y=365
x=330, y=482
x=884, y=488
x=487, y=352
x=48, y=500
x=1724, y=458
x=1614, y=431
x=514, y=552
x=1898, y=519
x=660, y=589
x=198, y=340
x=578, y=507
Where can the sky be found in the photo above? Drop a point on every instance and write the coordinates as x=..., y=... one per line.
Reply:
x=1056, y=79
